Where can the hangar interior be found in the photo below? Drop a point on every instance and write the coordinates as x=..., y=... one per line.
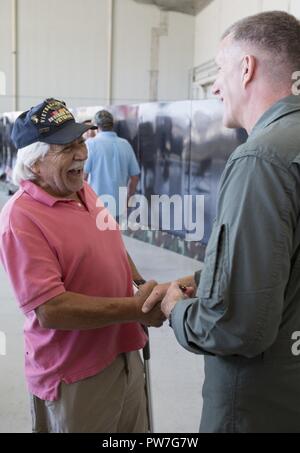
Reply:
x=152, y=64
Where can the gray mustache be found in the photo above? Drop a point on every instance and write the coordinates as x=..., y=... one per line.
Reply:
x=76, y=167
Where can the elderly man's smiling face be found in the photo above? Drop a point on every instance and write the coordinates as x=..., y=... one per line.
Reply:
x=229, y=84
x=60, y=173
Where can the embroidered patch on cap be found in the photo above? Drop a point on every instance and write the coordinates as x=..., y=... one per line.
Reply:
x=53, y=113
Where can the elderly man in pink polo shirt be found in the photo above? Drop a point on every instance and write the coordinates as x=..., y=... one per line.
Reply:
x=73, y=282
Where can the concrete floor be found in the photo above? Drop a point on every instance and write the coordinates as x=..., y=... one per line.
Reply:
x=177, y=375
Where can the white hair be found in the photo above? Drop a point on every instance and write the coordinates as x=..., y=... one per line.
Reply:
x=26, y=158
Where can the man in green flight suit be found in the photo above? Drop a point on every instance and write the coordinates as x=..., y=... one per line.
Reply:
x=246, y=312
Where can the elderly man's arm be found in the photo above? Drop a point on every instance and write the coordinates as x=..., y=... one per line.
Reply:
x=159, y=291
x=39, y=285
x=135, y=273
x=190, y=282
x=71, y=311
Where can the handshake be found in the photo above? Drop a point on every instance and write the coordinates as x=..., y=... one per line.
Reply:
x=155, y=302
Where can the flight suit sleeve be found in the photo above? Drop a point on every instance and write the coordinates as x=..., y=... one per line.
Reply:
x=239, y=303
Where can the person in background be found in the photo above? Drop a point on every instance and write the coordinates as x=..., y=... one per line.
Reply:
x=111, y=163
x=90, y=133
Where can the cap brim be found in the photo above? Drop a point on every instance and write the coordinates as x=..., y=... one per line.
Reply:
x=68, y=134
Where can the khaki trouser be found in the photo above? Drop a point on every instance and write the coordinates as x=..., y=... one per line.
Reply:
x=113, y=401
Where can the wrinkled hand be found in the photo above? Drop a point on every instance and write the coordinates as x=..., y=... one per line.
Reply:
x=156, y=296
x=160, y=291
x=155, y=317
x=173, y=296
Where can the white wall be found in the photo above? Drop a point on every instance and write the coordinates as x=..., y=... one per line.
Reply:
x=220, y=14
x=132, y=47
x=63, y=52
x=132, y=61
x=177, y=50
x=5, y=51
x=63, y=48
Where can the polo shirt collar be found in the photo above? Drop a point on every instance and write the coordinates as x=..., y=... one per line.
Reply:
x=107, y=134
x=284, y=107
x=39, y=194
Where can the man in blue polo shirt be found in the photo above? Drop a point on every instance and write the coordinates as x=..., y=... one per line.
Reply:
x=111, y=163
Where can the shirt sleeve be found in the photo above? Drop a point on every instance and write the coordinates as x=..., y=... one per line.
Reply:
x=32, y=267
x=88, y=166
x=133, y=166
x=239, y=304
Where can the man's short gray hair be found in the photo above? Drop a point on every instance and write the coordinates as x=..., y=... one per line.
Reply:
x=275, y=32
x=26, y=158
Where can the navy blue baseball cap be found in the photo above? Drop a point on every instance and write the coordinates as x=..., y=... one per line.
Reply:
x=50, y=122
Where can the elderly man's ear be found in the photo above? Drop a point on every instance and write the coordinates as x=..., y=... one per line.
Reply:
x=36, y=169
x=248, y=69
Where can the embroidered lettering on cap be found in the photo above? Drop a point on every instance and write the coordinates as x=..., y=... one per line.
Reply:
x=34, y=119
x=60, y=116
x=55, y=113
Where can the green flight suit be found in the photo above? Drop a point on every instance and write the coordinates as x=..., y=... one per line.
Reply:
x=247, y=308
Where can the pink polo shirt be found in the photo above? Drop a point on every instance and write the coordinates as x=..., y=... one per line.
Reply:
x=49, y=246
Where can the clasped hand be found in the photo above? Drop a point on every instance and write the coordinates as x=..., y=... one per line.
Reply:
x=165, y=296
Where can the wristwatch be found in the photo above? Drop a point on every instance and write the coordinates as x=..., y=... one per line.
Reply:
x=139, y=283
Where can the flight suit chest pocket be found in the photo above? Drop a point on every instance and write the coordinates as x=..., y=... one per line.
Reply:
x=213, y=277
